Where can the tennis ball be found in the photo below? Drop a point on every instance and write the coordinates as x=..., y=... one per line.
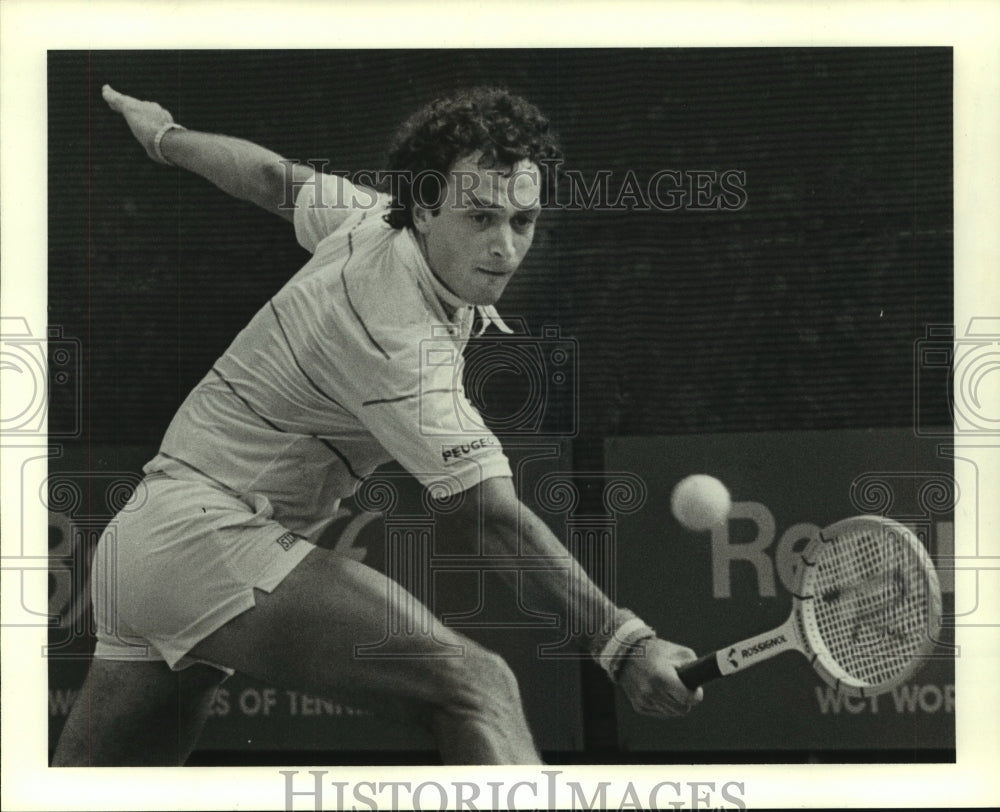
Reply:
x=700, y=502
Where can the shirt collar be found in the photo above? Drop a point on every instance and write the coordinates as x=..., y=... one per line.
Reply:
x=460, y=309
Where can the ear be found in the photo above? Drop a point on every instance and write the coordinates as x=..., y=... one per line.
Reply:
x=422, y=218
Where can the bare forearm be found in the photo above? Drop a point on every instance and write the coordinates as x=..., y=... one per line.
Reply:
x=549, y=578
x=239, y=168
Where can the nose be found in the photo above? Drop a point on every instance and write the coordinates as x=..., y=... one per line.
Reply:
x=502, y=244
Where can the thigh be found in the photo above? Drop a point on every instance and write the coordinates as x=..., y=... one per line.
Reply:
x=337, y=627
x=137, y=713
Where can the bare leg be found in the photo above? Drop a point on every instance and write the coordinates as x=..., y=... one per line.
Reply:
x=136, y=713
x=303, y=636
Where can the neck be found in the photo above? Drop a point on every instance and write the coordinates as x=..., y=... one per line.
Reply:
x=450, y=307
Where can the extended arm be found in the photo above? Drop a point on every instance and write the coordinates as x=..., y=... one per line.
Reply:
x=648, y=674
x=241, y=169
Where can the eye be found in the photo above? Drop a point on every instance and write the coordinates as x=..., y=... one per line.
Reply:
x=480, y=218
x=524, y=222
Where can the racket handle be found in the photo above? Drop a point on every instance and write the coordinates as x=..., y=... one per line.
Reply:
x=702, y=670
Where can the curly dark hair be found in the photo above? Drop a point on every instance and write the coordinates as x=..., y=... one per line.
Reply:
x=506, y=127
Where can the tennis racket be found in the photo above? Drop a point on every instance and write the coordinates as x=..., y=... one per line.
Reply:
x=866, y=611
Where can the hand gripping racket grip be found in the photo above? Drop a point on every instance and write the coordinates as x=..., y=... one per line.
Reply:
x=704, y=669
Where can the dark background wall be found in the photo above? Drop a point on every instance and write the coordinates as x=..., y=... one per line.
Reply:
x=800, y=310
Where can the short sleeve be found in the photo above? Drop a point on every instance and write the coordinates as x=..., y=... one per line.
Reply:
x=324, y=204
x=432, y=429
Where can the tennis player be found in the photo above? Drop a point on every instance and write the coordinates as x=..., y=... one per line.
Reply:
x=211, y=569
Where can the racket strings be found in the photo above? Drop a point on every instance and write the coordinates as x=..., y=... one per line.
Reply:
x=872, y=604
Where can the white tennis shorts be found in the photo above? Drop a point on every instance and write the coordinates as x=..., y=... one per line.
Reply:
x=179, y=561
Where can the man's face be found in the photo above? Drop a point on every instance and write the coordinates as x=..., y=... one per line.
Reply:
x=477, y=238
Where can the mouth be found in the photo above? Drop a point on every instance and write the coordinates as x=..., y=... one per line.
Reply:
x=495, y=273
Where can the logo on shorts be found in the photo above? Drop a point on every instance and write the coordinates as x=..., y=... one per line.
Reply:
x=455, y=453
x=287, y=540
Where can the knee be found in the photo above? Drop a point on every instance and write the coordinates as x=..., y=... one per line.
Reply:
x=482, y=681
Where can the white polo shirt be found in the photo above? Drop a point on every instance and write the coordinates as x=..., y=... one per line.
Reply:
x=356, y=361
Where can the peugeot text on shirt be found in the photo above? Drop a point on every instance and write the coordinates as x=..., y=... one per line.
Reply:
x=451, y=454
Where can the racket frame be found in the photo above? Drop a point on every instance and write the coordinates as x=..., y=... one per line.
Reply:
x=800, y=632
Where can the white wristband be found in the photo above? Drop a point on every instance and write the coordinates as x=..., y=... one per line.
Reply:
x=157, y=151
x=625, y=636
